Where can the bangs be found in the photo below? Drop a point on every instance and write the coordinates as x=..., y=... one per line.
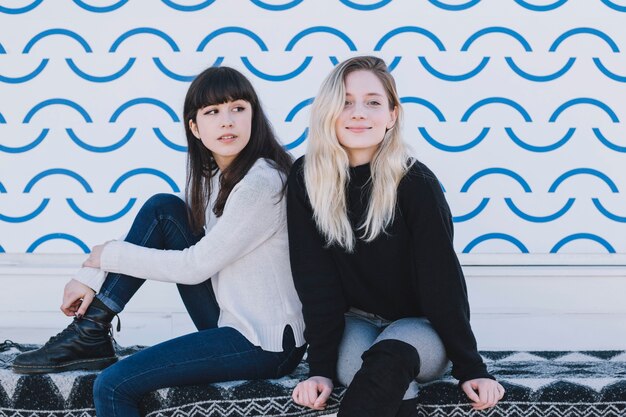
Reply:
x=221, y=85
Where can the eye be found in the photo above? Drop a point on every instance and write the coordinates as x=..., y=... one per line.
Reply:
x=239, y=109
x=347, y=103
x=374, y=103
x=211, y=111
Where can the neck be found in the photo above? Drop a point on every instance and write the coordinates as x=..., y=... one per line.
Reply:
x=358, y=157
x=223, y=161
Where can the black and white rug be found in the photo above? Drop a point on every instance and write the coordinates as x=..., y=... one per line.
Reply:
x=554, y=384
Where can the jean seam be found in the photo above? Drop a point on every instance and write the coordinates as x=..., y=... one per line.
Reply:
x=374, y=322
x=178, y=226
x=131, y=377
x=294, y=351
x=281, y=364
x=107, y=292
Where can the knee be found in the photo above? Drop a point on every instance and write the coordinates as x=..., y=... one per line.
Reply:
x=163, y=200
x=162, y=204
x=108, y=387
x=394, y=356
x=101, y=390
x=103, y=387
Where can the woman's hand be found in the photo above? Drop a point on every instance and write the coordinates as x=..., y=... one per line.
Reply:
x=483, y=392
x=94, y=257
x=313, y=392
x=76, y=298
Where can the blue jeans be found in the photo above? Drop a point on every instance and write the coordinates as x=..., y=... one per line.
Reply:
x=213, y=354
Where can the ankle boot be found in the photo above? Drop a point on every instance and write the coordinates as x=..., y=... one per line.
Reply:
x=408, y=408
x=377, y=388
x=85, y=344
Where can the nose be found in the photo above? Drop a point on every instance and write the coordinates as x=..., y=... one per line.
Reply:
x=227, y=121
x=358, y=112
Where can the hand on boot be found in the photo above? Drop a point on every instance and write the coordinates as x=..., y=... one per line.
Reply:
x=76, y=298
x=313, y=393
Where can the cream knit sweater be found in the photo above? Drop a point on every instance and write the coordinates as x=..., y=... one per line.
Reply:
x=244, y=252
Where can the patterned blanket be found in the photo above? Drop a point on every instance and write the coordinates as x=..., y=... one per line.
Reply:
x=553, y=384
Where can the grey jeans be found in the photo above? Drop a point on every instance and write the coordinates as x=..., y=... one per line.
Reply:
x=363, y=329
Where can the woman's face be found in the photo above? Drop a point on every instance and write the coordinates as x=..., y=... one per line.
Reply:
x=224, y=129
x=365, y=118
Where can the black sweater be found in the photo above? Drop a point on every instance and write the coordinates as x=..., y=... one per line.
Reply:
x=410, y=271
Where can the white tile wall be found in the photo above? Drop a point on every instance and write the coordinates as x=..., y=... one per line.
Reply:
x=526, y=302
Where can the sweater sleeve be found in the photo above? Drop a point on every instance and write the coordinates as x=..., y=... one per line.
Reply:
x=91, y=277
x=316, y=280
x=251, y=215
x=440, y=281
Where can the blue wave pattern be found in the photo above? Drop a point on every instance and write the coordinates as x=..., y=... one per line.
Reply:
x=355, y=5
x=504, y=154
x=474, y=39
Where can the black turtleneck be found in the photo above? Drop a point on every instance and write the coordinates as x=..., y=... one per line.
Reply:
x=409, y=271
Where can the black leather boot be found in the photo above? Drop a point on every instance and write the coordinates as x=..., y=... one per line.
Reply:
x=377, y=388
x=408, y=408
x=85, y=344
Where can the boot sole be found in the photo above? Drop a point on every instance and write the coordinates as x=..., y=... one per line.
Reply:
x=87, y=365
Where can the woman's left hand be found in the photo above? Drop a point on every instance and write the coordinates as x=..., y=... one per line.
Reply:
x=483, y=392
x=94, y=257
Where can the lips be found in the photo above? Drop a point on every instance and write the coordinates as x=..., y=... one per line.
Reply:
x=358, y=129
x=227, y=138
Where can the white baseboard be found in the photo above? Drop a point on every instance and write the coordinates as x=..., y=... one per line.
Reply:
x=528, y=302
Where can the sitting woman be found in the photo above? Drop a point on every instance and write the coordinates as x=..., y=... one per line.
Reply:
x=226, y=248
x=370, y=240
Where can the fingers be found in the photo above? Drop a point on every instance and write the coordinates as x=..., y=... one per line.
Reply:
x=312, y=395
x=483, y=393
x=303, y=395
x=307, y=394
x=87, y=299
x=70, y=304
x=489, y=395
x=71, y=310
x=501, y=392
x=73, y=293
x=469, y=391
x=323, y=397
x=295, y=395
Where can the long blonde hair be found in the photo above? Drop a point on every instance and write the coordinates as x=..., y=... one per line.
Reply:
x=326, y=165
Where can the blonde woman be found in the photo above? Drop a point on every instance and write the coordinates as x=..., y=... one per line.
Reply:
x=370, y=238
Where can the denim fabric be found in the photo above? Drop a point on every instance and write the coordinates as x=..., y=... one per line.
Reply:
x=210, y=355
x=162, y=224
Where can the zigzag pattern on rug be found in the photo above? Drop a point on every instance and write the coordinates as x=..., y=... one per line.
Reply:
x=540, y=384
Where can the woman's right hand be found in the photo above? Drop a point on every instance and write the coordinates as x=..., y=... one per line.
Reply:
x=313, y=392
x=76, y=298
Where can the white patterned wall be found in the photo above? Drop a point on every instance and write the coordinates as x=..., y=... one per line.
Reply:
x=518, y=106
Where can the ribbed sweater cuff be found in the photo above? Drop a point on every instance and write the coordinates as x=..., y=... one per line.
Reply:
x=91, y=277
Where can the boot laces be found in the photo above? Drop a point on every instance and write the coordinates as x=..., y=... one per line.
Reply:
x=68, y=329
x=7, y=344
x=72, y=327
x=109, y=326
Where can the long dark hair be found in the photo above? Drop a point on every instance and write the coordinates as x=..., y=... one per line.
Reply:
x=217, y=85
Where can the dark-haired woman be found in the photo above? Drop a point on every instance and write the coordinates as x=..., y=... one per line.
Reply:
x=226, y=247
